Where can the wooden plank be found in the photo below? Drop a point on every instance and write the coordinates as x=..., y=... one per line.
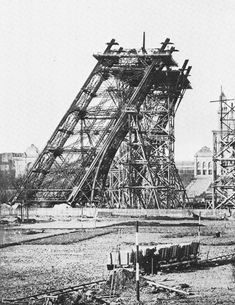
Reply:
x=55, y=292
x=166, y=287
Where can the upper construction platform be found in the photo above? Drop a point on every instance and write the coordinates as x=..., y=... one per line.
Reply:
x=122, y=62
x=133, y=57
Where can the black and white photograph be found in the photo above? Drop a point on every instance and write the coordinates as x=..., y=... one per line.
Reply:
x=117, y=152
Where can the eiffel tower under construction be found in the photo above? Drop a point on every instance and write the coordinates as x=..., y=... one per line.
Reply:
x=114, y=147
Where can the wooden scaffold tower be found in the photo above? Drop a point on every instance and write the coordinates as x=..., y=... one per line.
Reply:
x=223, y=186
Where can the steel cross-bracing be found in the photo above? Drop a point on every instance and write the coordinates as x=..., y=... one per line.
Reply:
x=114, y=147
x=223, y=186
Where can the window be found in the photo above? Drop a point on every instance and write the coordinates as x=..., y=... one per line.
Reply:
x=198, y=165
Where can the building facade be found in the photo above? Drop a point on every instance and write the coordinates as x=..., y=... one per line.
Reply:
x=200, y=167
x=203, y=162
x=17, y=164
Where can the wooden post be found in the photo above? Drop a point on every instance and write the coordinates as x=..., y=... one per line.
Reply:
x=95, y=216
x=21, y=212
x=26, y=199
x=199, y=227
x=137, y=269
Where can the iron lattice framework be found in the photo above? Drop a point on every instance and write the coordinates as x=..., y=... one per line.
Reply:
x=223, y=187
x=114, y=147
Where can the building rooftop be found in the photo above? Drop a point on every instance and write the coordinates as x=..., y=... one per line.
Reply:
x=204, y=152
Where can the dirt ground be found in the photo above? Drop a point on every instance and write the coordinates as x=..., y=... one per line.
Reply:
x=66, y=260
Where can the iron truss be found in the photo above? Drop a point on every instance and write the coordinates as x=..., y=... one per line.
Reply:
x=114, y=147
x=223, y=186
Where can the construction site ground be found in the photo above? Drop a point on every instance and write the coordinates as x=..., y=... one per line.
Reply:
x=39, y=257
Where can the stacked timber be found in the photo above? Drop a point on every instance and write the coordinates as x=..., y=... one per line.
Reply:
x=153, y=259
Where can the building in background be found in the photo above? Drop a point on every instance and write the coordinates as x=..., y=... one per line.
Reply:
x=197, y=176
x=203, y=162
x=17, y=164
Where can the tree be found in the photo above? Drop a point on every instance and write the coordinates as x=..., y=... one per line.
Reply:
x=9, y=184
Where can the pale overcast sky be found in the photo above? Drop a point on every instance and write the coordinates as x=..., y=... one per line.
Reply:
x=46, y=52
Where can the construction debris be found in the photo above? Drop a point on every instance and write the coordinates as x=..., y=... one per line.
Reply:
x=181, y=292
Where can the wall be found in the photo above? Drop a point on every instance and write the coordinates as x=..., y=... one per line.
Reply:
x=92, y=212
